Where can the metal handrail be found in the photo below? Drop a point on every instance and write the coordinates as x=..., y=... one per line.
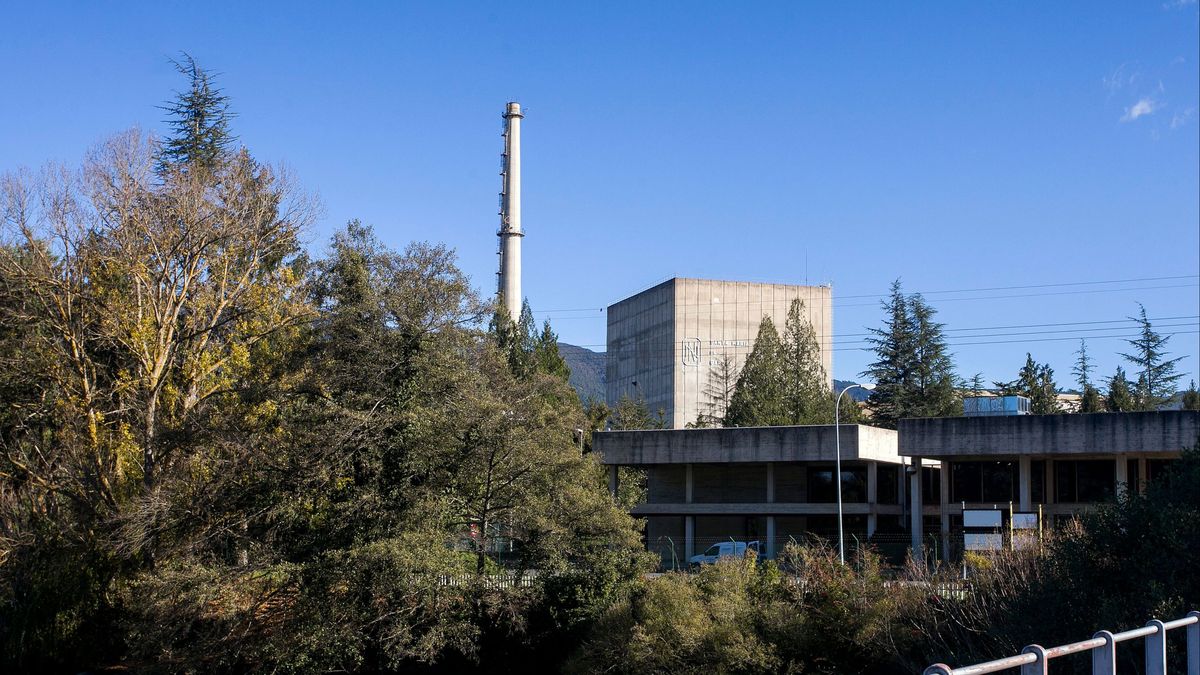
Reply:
x=1035, y=660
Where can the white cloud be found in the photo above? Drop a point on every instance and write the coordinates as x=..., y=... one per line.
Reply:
x=1143, y=107
x=1125, y=75
x=1178, y=4
x=1181, y=118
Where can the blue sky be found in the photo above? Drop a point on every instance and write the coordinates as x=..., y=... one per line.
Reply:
x=954, y=146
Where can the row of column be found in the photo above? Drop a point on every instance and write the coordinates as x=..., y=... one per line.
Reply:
x=1024, y=489
x=689, y=521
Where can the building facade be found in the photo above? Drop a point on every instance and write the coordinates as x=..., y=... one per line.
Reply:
x=766, y=484
x=1055, y=465
x=665, y=342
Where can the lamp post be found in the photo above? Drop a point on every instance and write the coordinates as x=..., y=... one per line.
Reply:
x=837, y=479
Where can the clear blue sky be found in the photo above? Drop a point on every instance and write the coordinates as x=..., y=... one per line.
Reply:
x=955, y=146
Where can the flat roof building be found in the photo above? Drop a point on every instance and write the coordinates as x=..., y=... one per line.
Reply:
x=769, y=484
x=1061, y=465
x=664, y=342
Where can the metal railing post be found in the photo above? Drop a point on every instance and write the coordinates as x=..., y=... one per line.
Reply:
x=937, y=669
x=1104, y=659
x=1156, y=649
x=1039, y=667
x=1193, y=645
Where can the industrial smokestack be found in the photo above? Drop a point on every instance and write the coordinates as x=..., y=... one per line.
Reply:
x=509, y=286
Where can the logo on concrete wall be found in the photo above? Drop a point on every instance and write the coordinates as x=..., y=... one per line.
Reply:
x=691, y=352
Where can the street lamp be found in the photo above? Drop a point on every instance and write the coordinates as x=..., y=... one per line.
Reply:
x=837, y=436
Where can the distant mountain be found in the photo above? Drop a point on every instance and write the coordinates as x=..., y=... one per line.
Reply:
x=859, y=394
x=587, y=370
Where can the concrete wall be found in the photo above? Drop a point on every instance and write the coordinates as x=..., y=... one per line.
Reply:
x=1089, y=434
x=749, y=444
x=666, y=484
x=670, y=337
x=718, y=484
x=641, y=339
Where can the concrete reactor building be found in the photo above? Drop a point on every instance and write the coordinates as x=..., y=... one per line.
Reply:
x=665, y=342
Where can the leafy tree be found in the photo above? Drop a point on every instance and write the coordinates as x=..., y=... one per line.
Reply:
x=914, y=372
x=758, y=399
x=1090, y=401
x=200, y=116
x=634, y=413
x=1156, y=374
x=1120, y=396
x=1036, y=382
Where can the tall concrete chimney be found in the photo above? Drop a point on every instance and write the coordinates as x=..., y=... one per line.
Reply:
x=509, y=286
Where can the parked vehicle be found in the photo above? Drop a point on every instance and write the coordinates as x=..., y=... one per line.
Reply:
x=724, y=549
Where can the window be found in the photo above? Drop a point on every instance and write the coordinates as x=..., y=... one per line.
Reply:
x=1134, y=482
x=1037, y=481
x=931, y=486
x=887, y=488
x=1158, y=470
x=821, y=489
x=1084, y=480
x=983, y=482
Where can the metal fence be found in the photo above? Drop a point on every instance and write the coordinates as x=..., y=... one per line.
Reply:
x=1035, y=659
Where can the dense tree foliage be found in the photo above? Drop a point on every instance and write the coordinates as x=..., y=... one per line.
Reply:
x=1120, y=395
x=913, y=371
x=1156, y=375
x=1035, y=381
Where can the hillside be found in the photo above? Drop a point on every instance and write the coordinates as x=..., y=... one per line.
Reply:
x=587, y=370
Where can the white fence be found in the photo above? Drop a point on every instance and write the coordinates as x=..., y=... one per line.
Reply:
x=1035, y=659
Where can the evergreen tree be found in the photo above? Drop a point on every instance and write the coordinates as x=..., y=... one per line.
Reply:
x=934, y=368
x=1120, y=397
x=634, y=413
x=913, y=373
x=807, y=396
x=1035, y=381
x=1191, y=397
x=1090, y=400
x=718, y=392
x=546, y=358
x=975, y=384
x=758, y=399
x=895, y=346
x=1156, y=374
x=199, y=120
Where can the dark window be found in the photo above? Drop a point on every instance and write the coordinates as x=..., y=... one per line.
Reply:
x=1085, y=480
x=966, y=485
x=983, y=482
x=1037, y=481
x=1134, y=483
x=1000, y=482
x=1158, y=470
x=887, y=489
x=822, y=491
x=931, y=486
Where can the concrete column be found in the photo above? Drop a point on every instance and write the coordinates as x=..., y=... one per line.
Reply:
x=613, y=480
x=872, y=497
x=689, y=536
x=770, y=536
x=1122, y=474
x=944, y=499
x=917, y=529
x=1025, y=481
x=687, y=482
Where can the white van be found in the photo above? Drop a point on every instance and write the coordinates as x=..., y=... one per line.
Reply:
x=724, y=549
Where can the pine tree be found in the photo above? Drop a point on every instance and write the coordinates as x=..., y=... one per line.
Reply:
x=1035, y=381
x=807, y=396
x=634, y=413
x=1156, y=374
x=1120, y=398
x=718, y=392
x=200, y=116
x=895, y=345
x=1090, y=401
x=913, y=373
x=934, y=368
x=546, y=358
x=1191, y=397
x=758, y=399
